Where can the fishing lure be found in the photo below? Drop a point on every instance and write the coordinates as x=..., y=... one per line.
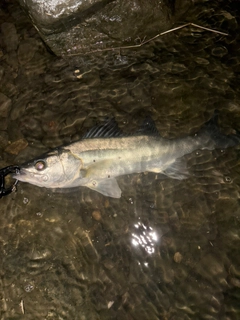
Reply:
x=3, y=173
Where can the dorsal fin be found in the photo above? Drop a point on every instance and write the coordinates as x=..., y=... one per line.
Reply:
x=106, y=130
x=148, y=127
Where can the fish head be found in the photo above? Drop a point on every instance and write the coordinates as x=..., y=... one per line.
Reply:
x=55, y=169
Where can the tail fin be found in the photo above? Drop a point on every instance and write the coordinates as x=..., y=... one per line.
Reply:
x=219, y=140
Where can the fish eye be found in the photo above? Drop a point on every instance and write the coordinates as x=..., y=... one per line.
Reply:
x=40, y=165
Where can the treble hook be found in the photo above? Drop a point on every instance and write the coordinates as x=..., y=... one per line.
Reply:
x=3, y=173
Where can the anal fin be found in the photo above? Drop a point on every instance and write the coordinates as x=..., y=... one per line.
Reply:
x=177, y=170
x=107, y=187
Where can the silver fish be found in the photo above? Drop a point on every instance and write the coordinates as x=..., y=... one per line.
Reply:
x=104, y=153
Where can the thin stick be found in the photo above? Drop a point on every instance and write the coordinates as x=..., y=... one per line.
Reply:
x=151, y=39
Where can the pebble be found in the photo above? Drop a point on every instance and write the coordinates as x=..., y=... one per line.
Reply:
x=26, y=51
x=177, y=257
x=1, y=71
x=96, y=215
x=5, y=104
x=219, y=51
x=10, y=36
x=106, y=203
x=3, y=136
x=16, y=146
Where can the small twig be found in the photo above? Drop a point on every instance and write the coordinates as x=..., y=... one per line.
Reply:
x=143, y=42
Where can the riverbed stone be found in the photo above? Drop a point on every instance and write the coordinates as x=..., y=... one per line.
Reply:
x=16, y=146
x=26, y=51
x=3, y=134
x=10, y=36
x=1, y=71
x=5, y=104
x=74, y=27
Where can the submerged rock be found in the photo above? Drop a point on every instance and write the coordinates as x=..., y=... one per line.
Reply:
x=26, y=51
x=10, y=37
x=16, y=146
x=5, y=104
x=78, y=27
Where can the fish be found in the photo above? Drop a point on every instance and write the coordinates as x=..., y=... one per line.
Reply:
x=105, y=153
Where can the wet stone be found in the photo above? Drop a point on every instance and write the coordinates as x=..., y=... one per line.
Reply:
x=16, y=146
x=5, y=104
x=11, y=59
x=10, y=36
x=96, y=23
x=219, y=51
x=235, y=282
x=177, y=257
x=202, y=61
x=10, y=88
x=26, y=51
x=3, y=138
x=1, y=71
x=96, y=215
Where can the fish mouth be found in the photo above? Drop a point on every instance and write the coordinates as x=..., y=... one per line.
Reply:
x=25, y=175
x=20, y=174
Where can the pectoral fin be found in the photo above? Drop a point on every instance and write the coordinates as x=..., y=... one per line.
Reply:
x=107, y=187
x=98, y=169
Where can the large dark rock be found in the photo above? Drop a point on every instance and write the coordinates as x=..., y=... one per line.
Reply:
x=76, y=27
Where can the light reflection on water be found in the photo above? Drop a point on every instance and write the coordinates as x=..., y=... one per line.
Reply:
x=145, y=236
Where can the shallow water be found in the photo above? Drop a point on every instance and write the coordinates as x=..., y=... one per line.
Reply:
x=166, y=249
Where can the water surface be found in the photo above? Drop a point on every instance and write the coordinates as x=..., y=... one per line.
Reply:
x=166, y=249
